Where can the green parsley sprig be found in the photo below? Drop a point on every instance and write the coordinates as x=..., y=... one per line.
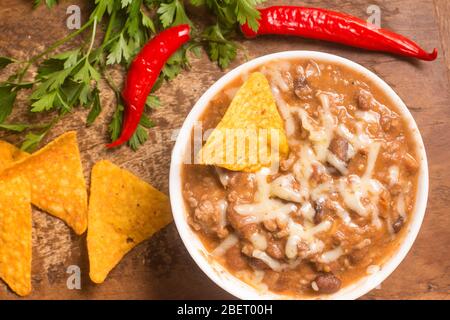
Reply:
x=70, y=79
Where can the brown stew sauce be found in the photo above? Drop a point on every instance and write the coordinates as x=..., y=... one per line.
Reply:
x=361, y=248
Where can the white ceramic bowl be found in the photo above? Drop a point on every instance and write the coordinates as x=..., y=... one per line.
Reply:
x=218, y=273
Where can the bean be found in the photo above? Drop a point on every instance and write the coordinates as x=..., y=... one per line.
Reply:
x=327, y=283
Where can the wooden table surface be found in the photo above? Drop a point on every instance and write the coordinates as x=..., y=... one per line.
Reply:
x=161, y=268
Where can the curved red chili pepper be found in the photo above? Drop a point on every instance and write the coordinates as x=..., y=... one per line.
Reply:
x=144, y=72
x=322, y=24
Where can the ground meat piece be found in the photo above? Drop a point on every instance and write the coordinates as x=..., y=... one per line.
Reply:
x=319, y=174
x=282, y=234
x=320, y=212
x=275, y=250
x=247, y=249
x=223, y=175
x=241, y=187
x=240, y=223
x=365, y=100
x=389, y=123
x=233, y=196
x=385, y=203
x=208, y=217
x=258, y=264
x=248, y=230
x=395, y=190
x=339, y=146
x=271, y=279
x=326, y=283
x=322, y=208
x=189, y=195
x=398, y=224
x=410, y=163
x=205, y=211
x=358, y=255
x=235, y=260
x=270, y=225
x=394, y=146
x=301, y=88
x=286, y=164
x=302, y=249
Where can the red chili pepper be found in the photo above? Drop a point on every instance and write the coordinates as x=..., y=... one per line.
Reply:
x=144, y=72
x=333, y=26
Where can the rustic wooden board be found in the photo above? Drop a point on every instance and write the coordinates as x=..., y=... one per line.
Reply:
x=161, y=268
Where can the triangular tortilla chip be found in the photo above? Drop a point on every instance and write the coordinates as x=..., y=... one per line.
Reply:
x=251, y=133
x=57, y=181
x=10, y=154
x=123, y=211
x=15, y=233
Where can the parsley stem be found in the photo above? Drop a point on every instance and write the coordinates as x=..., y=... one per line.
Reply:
x=53, y=47
x=109, y=28
x=63, y=40
x=94, y=30
x=112, y=85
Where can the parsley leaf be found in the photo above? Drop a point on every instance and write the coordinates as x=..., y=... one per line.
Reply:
x=70, y=79
x=116, y=123
x=7, y=98
x=17, y=127
x=118, y=50
x=140, y=136
x=4, y=61
x=49, y=3
x=44, y=103
x=172, y=14
x=175, y=64
x=86, y=73
x=198, y=3
x=32, y=140
x=246, y=12
x=126, y=3
x=219, y=48
x=153, y=102
x=147, y=22
x=95, y=109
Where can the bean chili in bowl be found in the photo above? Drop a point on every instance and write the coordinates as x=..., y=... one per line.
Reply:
x=337, y=208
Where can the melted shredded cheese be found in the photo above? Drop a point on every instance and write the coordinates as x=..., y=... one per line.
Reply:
x=271, y=262
x=307, y=211
x=394, y=174
x=259, y=241
x=266, y=210
x=331, y=255
x=225, y=245
x=282, y=187
x=354, y=189
x=368, y=116
x=223, y=205
x=281, y=201
x=401, y=206
x=340, y=165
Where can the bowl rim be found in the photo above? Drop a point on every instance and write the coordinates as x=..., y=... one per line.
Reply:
x=217, y=273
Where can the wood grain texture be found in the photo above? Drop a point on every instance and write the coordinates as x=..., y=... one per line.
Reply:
x=443, y=16
x=161, y=268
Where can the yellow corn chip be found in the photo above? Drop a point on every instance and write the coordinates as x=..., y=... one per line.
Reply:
x=57, y=181
x=15, y=233
x=9, y=154
x=123, y=211
x=251, y=133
